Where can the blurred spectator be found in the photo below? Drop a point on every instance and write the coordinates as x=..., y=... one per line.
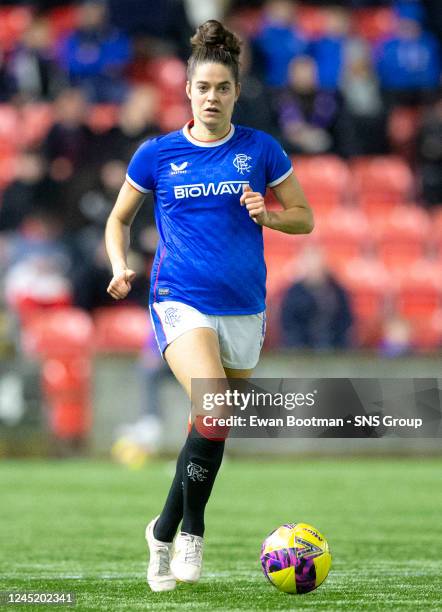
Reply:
x=434, y=17
x=429, y=154
x=165, y=21
x=33, y=66
x=95, y=54
x=253, y=108
x=7, y=83
x=87, y=217
x=144, y=50
x=73, y=152
x=91, y=276
x=306, y=115
x=330, y=49
x=32, y=190
x=315, y=311
x=136, y=122
x=95, y=205
x=362, y=123
x=408, y=63
x=198, y=12
x=278, y=42
x=396, y=337
x=39, y=264
x=69, y=143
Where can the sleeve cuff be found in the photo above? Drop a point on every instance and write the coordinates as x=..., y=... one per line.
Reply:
x=136, y=186
x=281, y=178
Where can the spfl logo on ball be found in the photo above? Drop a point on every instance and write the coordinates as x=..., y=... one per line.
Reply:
x=241, y=163
x=172, y=316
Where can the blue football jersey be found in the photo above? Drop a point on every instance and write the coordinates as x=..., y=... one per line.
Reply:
x=210, y=253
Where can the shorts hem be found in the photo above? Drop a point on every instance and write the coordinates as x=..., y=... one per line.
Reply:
x=239, y=367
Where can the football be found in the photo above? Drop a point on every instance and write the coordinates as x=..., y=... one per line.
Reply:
x=295, y=558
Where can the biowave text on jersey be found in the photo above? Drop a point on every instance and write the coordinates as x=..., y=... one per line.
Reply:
x=197, y=190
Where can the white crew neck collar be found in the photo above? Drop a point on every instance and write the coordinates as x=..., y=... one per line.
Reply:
x=208, y=143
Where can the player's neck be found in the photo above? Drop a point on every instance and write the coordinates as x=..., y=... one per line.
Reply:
x=199, y=131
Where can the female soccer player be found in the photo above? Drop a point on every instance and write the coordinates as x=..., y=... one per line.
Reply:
x=207, y=298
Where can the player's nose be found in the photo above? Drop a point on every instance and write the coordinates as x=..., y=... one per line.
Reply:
x=212, y=95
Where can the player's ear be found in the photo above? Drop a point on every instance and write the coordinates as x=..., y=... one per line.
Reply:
x=188, y=90
x=237, y=91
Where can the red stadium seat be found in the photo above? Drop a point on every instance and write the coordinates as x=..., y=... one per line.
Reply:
x=168, y=73
x=8, y=169
x=121, y=329
x=35, y=121
x=311, y=20
x=374, y=23
x=173, y=117
x=247, y=21
x=436, y=229
x=343, y=235
x=403, y=124
x=398, y=256
x=325, y=180
x=402, y=235
x=281, y=251
x=375, y=204
x=70, y=419
x=66, y=375
x=279, y=243
x=388, y=177
x=426, y=333
x=338, y=253
x=13, y=22
x=62, y=20
x=275, y=295
x=419, y=290
x=342, y=223
x=102, y=117
x=58, y=332
x=279, y=272
x=417, y=302
x=9, y=129
x=368, y=283
x=407, y=222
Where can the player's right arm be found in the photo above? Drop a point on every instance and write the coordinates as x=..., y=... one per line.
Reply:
x=117, y=237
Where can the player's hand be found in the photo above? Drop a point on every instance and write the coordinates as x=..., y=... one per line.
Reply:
x=254, y=202
x=121, y=283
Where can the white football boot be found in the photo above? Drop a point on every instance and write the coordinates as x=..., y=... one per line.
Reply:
x=187, y=557
x=159, y=575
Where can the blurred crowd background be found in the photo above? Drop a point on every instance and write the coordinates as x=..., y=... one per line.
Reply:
x=352, y=91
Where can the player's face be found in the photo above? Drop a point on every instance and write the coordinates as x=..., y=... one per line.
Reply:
x=212, y=93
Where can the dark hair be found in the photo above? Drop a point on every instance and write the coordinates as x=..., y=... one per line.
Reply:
x=213, y=43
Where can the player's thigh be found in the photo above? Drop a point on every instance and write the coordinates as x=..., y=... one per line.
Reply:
x=195, y=354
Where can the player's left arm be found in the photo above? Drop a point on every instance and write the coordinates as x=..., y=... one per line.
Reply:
x=297, y=216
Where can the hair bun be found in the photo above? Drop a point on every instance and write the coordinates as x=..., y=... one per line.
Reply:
x=212, y=34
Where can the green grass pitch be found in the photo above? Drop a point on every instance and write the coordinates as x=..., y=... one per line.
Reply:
x=79, y=526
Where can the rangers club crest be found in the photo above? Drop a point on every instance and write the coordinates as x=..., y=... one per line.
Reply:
x=196, y=472
x=241, y=163
x=172, y=316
